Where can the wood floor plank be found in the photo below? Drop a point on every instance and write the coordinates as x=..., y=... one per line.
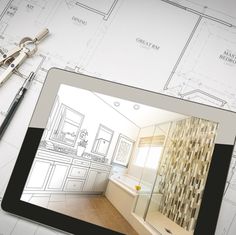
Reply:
x=93, y=209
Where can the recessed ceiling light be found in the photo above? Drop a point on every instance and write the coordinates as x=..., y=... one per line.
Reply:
x=136, y=107
x=116, y=103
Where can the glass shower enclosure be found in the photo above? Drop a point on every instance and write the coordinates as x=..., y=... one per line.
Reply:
x=175, y=162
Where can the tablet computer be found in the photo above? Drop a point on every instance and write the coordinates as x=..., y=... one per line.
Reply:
x=105, y=158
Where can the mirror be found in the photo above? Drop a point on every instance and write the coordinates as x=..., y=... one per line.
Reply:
x=67, y=126
x=102, y=140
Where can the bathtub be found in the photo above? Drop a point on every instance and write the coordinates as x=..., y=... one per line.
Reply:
x=127, y=182
x=123, y=195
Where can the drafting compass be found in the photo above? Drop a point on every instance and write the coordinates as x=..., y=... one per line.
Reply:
x=15, y=57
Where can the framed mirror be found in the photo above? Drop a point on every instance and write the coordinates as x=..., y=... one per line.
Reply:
x=67, y=126
x=102, y=140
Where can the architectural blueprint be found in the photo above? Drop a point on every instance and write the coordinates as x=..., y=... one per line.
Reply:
x=182, y=48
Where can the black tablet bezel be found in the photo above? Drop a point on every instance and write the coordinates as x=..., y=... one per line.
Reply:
x=11, y=202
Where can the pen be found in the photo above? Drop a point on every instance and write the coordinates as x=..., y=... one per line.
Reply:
x=15, y=103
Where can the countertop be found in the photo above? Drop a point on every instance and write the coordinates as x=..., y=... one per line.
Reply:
x=71, y=156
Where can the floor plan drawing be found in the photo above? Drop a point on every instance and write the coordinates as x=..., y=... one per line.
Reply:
x=212, y=47
x=181, y=48
x=103, y=8
x=213, y=32
x=203, y=52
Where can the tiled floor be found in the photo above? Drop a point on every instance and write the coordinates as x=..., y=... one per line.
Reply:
x=94, y=209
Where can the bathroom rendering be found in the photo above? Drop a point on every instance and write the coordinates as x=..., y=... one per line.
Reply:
x=122, y=165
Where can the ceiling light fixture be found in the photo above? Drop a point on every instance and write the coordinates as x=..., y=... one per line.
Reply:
x=136, y=107
x=116, y=104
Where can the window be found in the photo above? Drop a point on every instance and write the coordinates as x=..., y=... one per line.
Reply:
x=148, y=156
x=149, y=151
x=102, y=140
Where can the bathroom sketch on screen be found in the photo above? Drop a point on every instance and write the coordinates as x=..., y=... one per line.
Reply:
x=98, y=149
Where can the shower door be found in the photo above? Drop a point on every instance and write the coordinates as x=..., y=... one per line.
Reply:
x=148, y=157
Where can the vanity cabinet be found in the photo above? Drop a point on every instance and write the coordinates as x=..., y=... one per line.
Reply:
x=89, y=184
x=101, y=181
x=97, y=178
x=58, y=176
x=54, y=172
x=96, y=181
x=39, y=174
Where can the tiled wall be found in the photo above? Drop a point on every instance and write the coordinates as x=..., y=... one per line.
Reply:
x=186, y=162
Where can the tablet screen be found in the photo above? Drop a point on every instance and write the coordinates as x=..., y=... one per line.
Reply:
x=117, y=163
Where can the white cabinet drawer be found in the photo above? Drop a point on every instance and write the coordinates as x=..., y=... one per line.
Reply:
x=78, y=172
x=81, y=163
x=74, y=185
x=101, y=167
